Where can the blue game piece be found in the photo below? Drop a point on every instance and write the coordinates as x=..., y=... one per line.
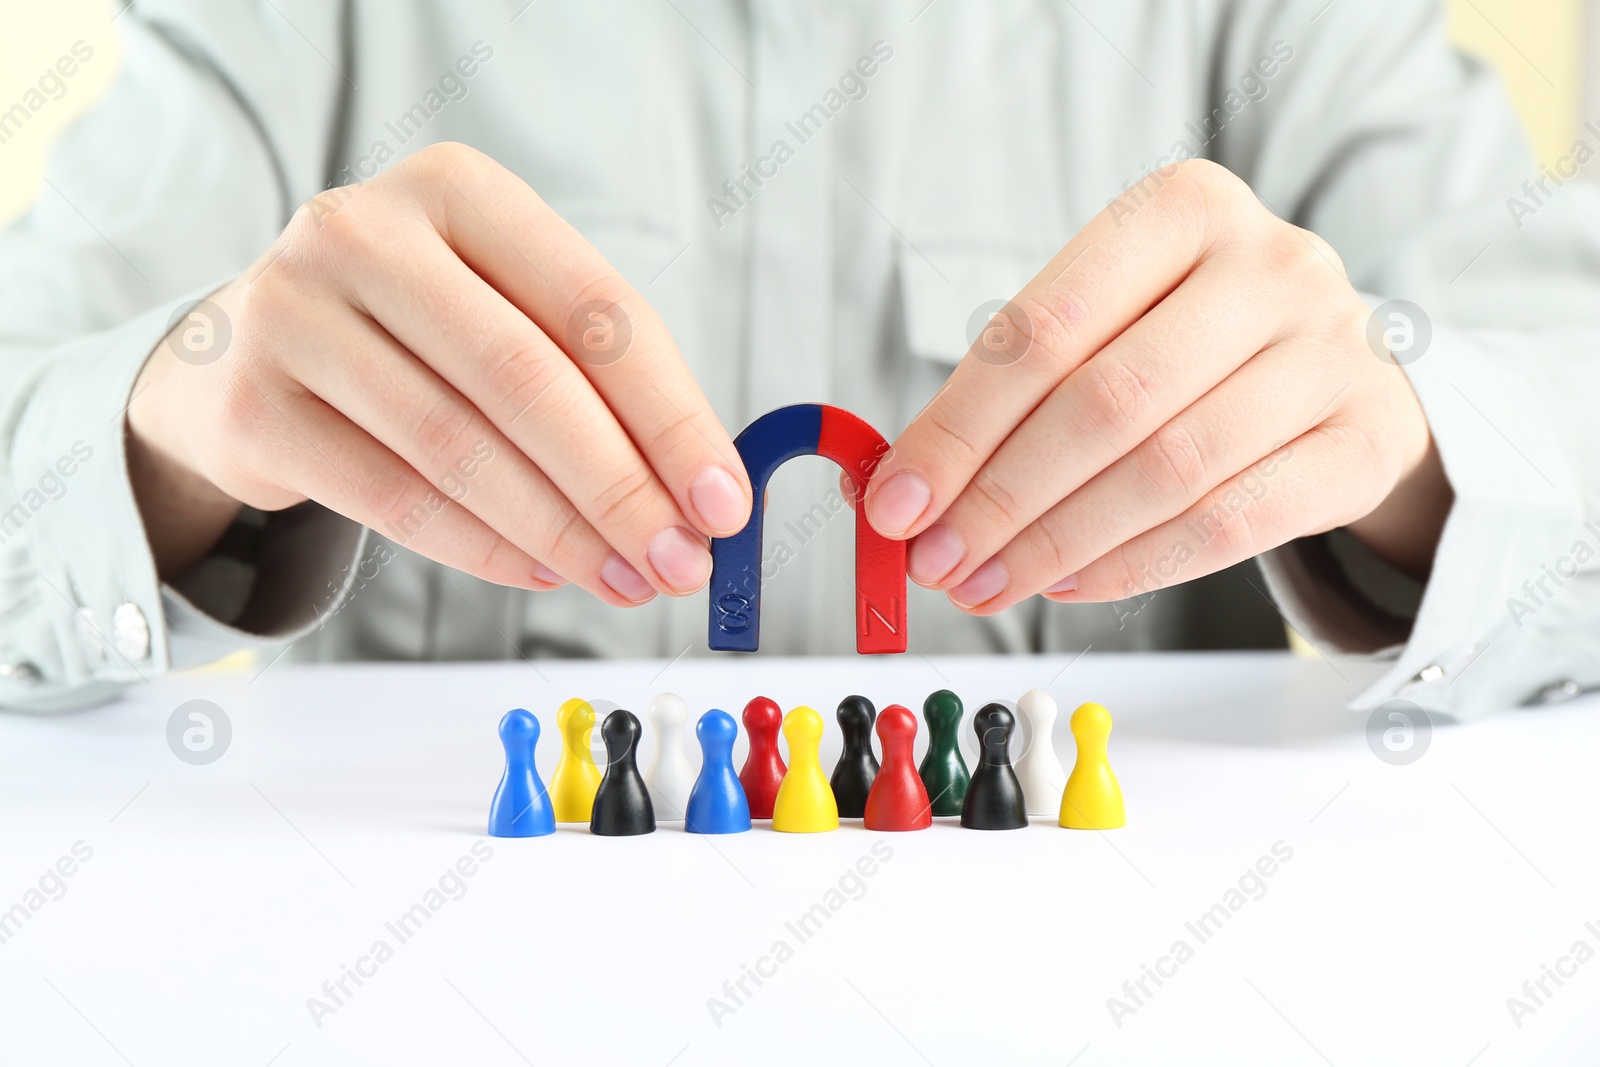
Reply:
x=521, y=807
x=717, y=803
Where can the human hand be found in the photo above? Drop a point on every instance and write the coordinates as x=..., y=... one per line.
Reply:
x=438, y=355
x=1175, y=392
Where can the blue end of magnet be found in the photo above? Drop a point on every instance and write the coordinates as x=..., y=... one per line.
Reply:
x=765, y=445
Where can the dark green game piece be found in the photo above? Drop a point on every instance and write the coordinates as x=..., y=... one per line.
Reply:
x=944, y=772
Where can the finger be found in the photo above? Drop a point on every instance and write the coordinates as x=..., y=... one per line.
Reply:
x=1197, y=336
x=410, y=410
x=532, y=392
x=1112, y=272
x=325, y=457
x=1316, y=483
x=1248, y=417
x=505, y=233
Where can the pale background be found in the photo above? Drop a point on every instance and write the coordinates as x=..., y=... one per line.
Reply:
x=1537, y=45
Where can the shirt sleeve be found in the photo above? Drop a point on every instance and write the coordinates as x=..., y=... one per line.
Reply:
x=91, y=278
x=1407, y=157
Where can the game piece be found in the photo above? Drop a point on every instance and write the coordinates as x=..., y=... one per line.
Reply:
x=1092, y=799
x=764, y=446
x=898, y=801
x=944, y=772
x=622, y=805
x=805, y=802
x=1039, y=770
x=994, y=799
x=857, y=767
x=717, y=804
x=670, y=775
x=763, y=765
x=521, y=807
x=573, y=785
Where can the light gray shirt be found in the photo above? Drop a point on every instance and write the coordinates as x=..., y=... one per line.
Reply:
x=819, y=198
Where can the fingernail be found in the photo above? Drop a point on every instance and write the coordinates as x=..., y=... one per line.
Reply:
x=898, y=503
x=934, y=554
x=1065, y=585
x=716, y=495
x=680, y=558
x=626, y=582
x=541, y=573
x=981, y=586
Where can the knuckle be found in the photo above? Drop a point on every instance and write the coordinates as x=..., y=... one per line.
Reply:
x=1367, y=451
x=626, y=499
x=243, y=413
x=677, y=437
x=1118, y=398
x=999, y=505
x=1174, y=462
x=950, y=440
x=1234, y=533
x=523, y=374
x=1055, y=318
x=326, y=226
x=1289, y=253
x=1201, y=189
x=1048, y=548
x=566, y=535
x=1325, y=252
x=392, y=496
x=270, y=306
x=1119, y=571
x=1347, y=327
x=446, y=161
x=1207, y=179
x=443, y=431
x=499, y=557
x=601, y=287
x=598, y=325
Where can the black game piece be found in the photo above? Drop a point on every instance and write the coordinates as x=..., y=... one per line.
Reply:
x=857, y=766
x=622, y=803
x=994, y=798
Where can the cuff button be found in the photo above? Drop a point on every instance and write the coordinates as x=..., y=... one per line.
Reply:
x=130, y=632
x=1431, y=673
x=22, y=672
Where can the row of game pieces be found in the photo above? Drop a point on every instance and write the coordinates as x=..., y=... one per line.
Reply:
x=797, y=797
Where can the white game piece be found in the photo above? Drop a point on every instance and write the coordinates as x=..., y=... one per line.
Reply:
x=670, y=776
x=1039, y=770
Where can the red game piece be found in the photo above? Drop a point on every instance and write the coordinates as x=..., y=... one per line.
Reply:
x=763, y=768
x=898, y=800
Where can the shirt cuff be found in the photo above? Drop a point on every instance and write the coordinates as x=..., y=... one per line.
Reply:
x=96, y=615
x=1515, y=515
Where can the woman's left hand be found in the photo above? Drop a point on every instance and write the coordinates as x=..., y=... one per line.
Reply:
x=1187, y=384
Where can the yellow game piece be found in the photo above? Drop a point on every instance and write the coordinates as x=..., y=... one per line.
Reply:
x=577, y=778
x=805, y=803
x=1092, y=799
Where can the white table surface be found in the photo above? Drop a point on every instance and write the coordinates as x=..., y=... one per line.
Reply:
x=219, y=898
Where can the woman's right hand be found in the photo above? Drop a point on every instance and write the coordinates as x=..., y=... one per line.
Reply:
x=436, y=354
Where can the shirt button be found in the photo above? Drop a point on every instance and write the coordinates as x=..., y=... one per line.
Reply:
x=1559, y=692
x=1431, y=673
x=130, y=632
x=21, y=672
